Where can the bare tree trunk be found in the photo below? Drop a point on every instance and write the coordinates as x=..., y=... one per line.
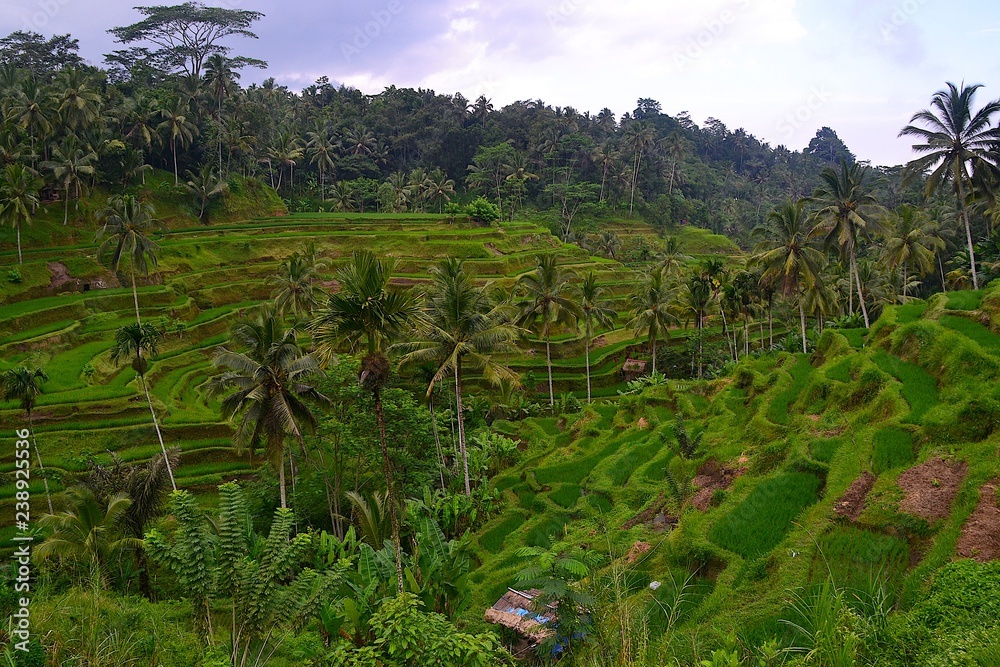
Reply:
x=20, y=260
x=944, y=285
x=461, y=431
x=802, y=321
x=41, y=468
x=548, y=363
x=587, y=348
x=135, y=294
x=387, y=467
x=437, y=441
x=968, y=231
x=159, y=435
x=861, y=297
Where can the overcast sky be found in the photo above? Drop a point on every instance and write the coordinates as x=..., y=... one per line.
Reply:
x=779, y=68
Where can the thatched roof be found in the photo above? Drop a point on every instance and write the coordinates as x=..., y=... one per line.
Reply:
x=516, y=610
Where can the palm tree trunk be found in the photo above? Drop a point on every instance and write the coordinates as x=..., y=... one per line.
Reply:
x=548, y=363
x=41, y=468
x=461, y=431
x=20, y=260
x=437, y=440
x=653, y=341
x=135, y=295
x=281, y=480
x=944, y=285
x=387, y=468
x=173, y=148
x=861, y=297
x=159, y=435
x=587, y=352
x=968, y=231
x=802, y=321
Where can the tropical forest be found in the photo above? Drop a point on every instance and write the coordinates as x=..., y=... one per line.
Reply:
x=307, y=376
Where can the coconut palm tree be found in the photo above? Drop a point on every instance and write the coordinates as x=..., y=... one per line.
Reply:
x=137, y=342
x=24, y=385
x=222, y=80
x=440, y=189
x=597, y=310
x=650, y=305
x=178, y=129
x=368, y=316
x=205, y=185
x=69, y=163
x=18, y=198
x=693, y=304
x=462, y=328
x=954, y=139
x=550, y=301
x=88, y=532
x=911, y=243
x=786, y=256
x=322, y=150
x=126, y=224
x=671, y=259
x=268, y=384
x=76, y=99
x=293, y=286
x=30, y=110
x=847, y=214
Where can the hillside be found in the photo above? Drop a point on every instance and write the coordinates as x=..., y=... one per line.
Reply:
x=874, y=466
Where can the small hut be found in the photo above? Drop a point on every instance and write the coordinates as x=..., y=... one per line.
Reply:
x=517, y=610
x=633, y=369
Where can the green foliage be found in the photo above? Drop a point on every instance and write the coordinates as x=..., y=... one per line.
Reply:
x=800, y=372
x=760, y=522
x=854, y=558
x=14, y=276
x=919, y=386
x=493, y=540
x=482, y=210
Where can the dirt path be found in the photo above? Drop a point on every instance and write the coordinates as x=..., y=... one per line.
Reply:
x=852, y=503
x=931, y=487
x=981, y=533
x=60, y=275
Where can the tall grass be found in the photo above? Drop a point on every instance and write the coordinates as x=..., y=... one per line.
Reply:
x=778, y=410
x=919, y=386
x=893, y=448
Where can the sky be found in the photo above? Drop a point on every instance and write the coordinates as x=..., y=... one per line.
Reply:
x=780, y=69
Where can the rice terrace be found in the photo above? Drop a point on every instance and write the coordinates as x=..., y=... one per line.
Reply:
x=296, y=374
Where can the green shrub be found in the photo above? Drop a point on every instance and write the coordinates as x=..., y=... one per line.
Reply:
x=14, y=276
x=761, y=521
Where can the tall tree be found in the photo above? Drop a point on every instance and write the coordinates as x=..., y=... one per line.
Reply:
x=597, y=310
x=294, y=286
x=650, y=306
x=205, y=185
x=188, y=33
x=550, y=301
x=18, y=198
x=462, y=328
x=268, y=380
x=786, y=255
x=954, y=140
x=846, y=215
x=69, y=163
x=178, y=129
x=369, y=316
x=911, y=243
x=137, y=342
x=126, y=224
x=24, y=385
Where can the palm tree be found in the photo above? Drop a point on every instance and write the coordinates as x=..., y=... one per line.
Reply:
x=126, y=224
x=131, y=342
x=88, y=532
x=205, y=185
x=440, y=188
x=221, y=79
x=178, y=128
x=694, y=303
x=550, y=301
x=596, y=310
x=31, y=112
x=640, y=137
x=287, y=149
x=321, y=147
x=954, y=141
x=18, y=198
x=293, y=286
x=77, y=103
x=785, y=255
x=846, y=215
x=650, y=305
x=672, y=258
x=24, y=385
x=69, y=163
x=911, y=243
x=462, y=327
x=268, y=381
x=367, y=315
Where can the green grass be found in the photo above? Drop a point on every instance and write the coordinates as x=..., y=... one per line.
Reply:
x=824, y=450
x=892, y=448
x=841, y=371
x=988, y=340
x=623, y=467
x=760, y=522
x=777, y=412
x=964, y=300
x=856, y=556
x=565, y=495
x=911, y=312
x=494, y=539
x=546, y=531
x=856, y=337
x=919, y=386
